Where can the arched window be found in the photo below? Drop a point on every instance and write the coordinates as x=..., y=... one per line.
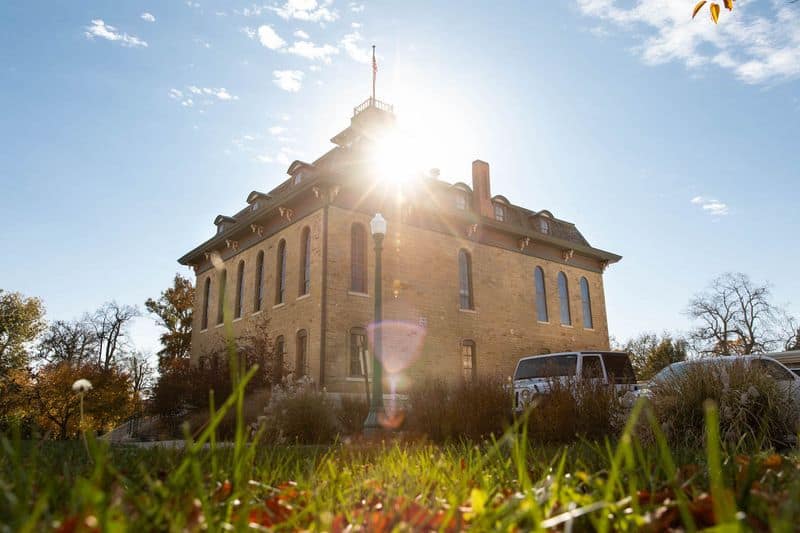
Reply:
x=358, y=258
x=280, y=274
x=240, y=290
x=469, y=369
x=305, y=261
x=465, y=280
x=358, y=352
x=586, y=303
x=563, y=298
x=541, y=295
x=206, y=302
x=301, y=357
x=223, y=280
x=544, y=225
x=277, y=369
x=259, y=281
x=461, y=199
x=499, y=212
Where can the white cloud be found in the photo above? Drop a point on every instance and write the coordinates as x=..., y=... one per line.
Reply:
x=311, y=51
x=269, y=38
x=356, y=7
x=187, y=103
x=264, y=158
x=759, y=41
x=252, y=11
x=201, y=42
x=250, y=32
x=204, y=95
x=314, y=68
x=288, y=80
x=711, y=206
x=308, y=10
x=175, y=93
x=350, y=43
x=149, y=17
x=300, y=34
x=276, y=130
x=98, y=28
x=355, y=25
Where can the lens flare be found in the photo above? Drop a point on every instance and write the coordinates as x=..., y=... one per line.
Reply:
x=401, y=346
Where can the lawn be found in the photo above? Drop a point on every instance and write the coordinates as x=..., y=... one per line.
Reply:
x=502, y=484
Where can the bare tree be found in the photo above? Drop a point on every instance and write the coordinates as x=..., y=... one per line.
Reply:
x=141, y=373
x=110, y=323
x=73, y=342
x=735, y=316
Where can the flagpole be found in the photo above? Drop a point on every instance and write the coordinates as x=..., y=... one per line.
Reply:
x=374, y=74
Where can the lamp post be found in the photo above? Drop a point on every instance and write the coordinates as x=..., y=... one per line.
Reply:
x=372, y=423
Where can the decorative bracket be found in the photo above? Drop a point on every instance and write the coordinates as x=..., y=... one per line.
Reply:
x=229, y=243
x=604, y=265
x=472, y=229
x=567, y=254
x=257, y=228
x=207, y=254
x=334, y=192
x=523, y=243
x=317, y=191
x=286, y=213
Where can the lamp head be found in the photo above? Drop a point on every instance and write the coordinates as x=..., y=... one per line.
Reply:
x=378, y=225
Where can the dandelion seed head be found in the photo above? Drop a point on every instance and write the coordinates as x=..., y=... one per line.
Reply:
x=81, y=386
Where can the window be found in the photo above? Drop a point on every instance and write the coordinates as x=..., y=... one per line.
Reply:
x=259, y=281
x=468, y=368
x=773, y=370
x=305, y=262
x=220, y=229
x=563, y=298
x=541, y=295
x=465, y=280
x=206, y=301
x=586, y=304
x=358, y=258
x=544, y=225
x=461, y=199
x=499, y=213
x=619, y=368
x=301, y=359
x=280, y=351
x=549, y=366
x=280, y=275
x=592, y=368
x=358, y=352
x=240, y=290
x=223, y=280
x=298, y=178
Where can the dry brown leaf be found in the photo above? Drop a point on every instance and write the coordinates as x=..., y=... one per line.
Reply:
x=715, y=13
x=698, y=6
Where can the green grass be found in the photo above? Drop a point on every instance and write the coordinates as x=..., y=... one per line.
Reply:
x=505, y=484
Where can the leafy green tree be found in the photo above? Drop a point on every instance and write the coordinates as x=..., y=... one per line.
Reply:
x=174, y=311
x=21, y=321
x=651, y=353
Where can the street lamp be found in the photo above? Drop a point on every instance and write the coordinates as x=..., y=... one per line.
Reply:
x=372, y=423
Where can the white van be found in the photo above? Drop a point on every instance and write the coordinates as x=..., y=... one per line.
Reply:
x=534, y=374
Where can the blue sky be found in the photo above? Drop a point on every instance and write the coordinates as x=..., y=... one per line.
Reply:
x=127, y=126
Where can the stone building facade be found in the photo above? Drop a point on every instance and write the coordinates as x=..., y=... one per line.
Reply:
x=471, y=282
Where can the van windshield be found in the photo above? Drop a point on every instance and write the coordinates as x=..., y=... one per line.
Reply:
x=547, y=367
x=618, y=368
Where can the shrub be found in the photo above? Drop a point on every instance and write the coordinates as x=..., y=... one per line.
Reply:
x=472, y=411
x=753, y=406
x=298, y=414
x=575, y=408
x=350, y=414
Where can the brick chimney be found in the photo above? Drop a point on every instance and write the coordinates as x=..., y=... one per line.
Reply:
x=481, y=189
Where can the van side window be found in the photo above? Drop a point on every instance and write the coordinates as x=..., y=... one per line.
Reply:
x=773, y=370
x=592, y=368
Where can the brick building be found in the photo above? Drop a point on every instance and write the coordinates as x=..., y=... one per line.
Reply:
x=471, y=282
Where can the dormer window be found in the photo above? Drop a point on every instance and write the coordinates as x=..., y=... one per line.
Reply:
x=544, y=225
x=499, y=212
x=255, y=206
x=298, y=178
x=220, y=229
x=461, y=200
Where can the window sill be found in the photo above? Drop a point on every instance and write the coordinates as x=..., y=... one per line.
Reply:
x=304, y=296
x=543, y=322
x=278, y=306
x=237, y=319
x=570, y=326
x=219, y=325
x=588, y=329
x=468, y=311
x=256, y=312
x=203, y=330
x=359, y=294
x=356, y=378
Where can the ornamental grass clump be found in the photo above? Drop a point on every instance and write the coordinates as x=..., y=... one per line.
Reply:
x=473, y=410
x=754, y=408
x=298, y=414
x=575, y=408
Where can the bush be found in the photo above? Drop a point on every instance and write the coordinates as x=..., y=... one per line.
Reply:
x=474, y=411
x=297, y=414
x=350, y=414
x=753, y=407
x=575, y=408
